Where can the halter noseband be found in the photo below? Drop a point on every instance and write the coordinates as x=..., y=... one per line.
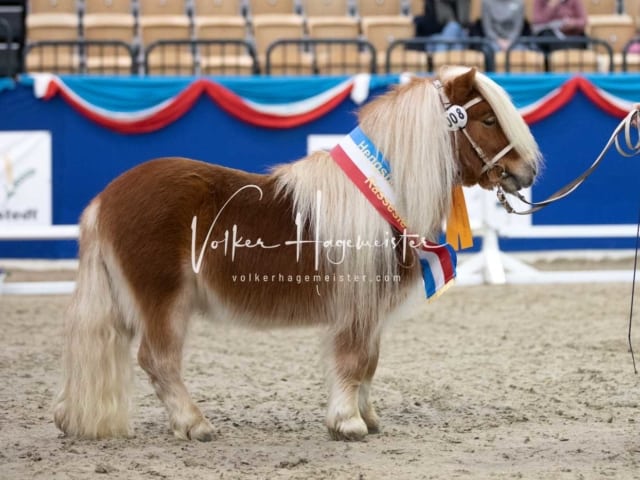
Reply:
x=454, y=125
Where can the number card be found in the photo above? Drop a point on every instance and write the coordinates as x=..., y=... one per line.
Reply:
x=456, y=117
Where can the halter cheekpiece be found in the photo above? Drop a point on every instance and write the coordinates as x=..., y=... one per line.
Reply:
x=456, y=117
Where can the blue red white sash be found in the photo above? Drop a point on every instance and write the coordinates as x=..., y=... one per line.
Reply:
x=367, y=168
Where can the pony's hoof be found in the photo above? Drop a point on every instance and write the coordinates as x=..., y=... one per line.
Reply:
x=372, y=421
x=373, y=427
x=77, y=427
x=60, y=419
x=351, y=430
x=201, y=431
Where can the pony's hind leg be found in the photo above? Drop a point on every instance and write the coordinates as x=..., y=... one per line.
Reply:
x=367, y=410
x=160, y=355
x=354, y=358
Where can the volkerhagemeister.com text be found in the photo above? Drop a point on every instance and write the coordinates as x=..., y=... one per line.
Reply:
x=300, y=279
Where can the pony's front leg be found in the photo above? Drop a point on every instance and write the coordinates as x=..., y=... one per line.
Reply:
x=354, y=359
x=365, y=405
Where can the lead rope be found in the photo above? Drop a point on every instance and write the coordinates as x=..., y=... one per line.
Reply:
x=628, y=149
x=633, y=149
x=633, y=291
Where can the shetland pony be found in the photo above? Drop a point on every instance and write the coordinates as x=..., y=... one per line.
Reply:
x=173, y=237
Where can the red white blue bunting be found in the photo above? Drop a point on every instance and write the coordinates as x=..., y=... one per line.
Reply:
x=294, y=113
x=559, y=97
x=287, y=115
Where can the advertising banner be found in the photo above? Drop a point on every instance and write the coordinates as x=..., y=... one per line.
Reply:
x=25, y=178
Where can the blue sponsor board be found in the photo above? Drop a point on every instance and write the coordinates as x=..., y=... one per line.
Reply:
x=87, y=156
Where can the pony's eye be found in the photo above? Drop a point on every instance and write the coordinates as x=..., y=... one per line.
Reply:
x=489, y=121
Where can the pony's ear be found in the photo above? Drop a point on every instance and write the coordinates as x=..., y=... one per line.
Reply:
x=461, y=86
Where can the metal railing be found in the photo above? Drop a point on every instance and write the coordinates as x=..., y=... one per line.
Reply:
x=9, y=51
x=425, y=54
x=81, y=56
x=306, y=56
x=568, y=54
x=626, y=54
x=338, y=56
x=201, y=57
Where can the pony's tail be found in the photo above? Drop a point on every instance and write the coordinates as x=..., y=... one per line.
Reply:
x=97, y=374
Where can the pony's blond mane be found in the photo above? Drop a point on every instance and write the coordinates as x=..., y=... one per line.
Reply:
x=407, y=125
x=344, y=214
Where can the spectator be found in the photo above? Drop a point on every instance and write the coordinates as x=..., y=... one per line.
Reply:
x=560, y=17
x=443, y=20
x=502, y=22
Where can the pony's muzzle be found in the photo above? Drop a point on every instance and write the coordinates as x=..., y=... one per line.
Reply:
x=513, y=181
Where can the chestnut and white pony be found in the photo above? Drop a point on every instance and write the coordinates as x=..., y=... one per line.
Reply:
x=157, y=245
